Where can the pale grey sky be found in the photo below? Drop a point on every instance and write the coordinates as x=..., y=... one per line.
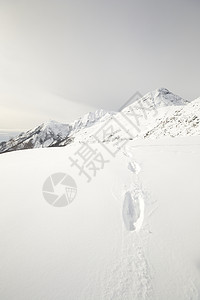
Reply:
x=61, y=58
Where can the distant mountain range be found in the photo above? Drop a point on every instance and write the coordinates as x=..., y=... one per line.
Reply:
x=6, y=135
x=157, y=114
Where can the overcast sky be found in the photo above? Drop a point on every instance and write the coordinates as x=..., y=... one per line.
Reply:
x=61, y=58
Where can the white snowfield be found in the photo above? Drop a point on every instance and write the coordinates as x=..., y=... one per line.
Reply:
x=131, y=233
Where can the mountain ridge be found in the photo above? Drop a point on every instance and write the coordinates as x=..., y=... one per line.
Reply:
x=161, y=101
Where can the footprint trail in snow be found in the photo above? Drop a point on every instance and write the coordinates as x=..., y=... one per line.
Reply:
x=133, y=206
x=130, y=277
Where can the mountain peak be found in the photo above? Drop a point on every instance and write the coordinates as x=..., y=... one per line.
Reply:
x=163, y=97
x=55, y=126
x=160, y=97
x=163, y=90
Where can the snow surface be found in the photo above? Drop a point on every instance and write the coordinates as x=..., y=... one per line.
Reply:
x=131, y=233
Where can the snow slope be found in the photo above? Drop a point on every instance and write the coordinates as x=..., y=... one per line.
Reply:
x=185, y=121
x=135, y=238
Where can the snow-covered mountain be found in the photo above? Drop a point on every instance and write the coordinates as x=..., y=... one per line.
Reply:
x=88, y=120
x=137, y=119
x=161, y=97
x=46, y=135
x=156, y=114
x=51, y=134
x=150, y=110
